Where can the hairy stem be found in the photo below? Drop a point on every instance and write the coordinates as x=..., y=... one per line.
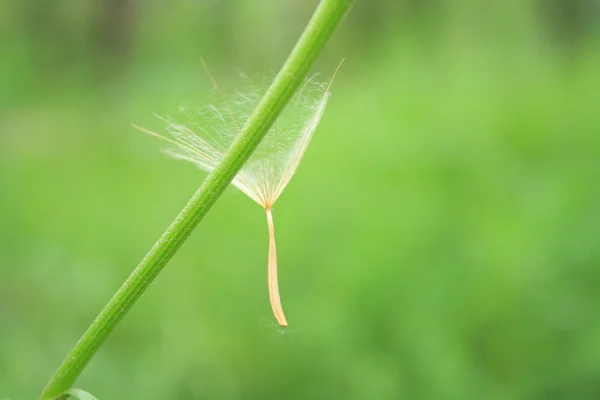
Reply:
x=272, y=274
x=323, y=23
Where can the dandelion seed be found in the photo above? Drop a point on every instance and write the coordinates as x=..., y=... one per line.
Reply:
x=209, y=131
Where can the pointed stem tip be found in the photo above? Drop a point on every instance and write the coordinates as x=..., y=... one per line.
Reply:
x=272, y=274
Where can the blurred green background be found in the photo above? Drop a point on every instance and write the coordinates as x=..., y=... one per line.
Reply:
x=441, y=239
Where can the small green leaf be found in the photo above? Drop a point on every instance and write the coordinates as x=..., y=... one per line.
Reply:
x=76, y=394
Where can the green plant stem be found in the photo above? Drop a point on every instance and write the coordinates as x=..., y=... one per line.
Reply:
x=323, y=23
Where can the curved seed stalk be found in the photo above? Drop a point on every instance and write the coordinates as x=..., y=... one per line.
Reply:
x=209, y=131
x=272, y=274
